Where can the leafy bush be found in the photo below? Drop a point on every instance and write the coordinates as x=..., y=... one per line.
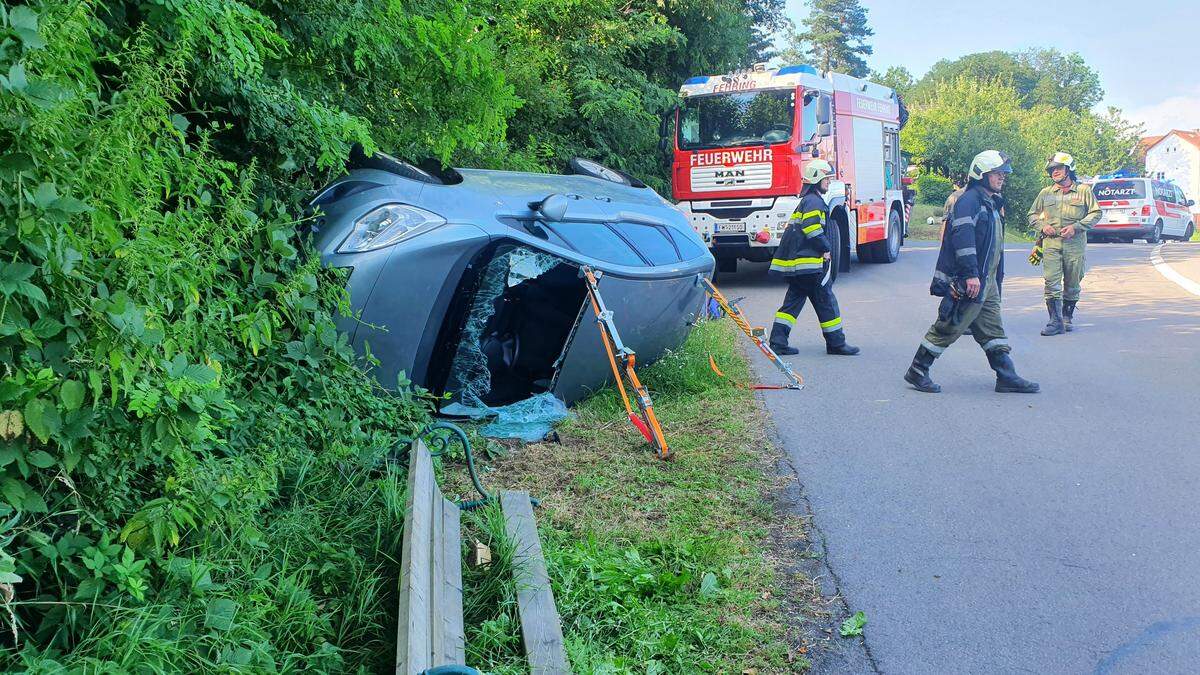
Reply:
x=933, y=189
x=964, y=116
x=192, y=459
x=188, y=442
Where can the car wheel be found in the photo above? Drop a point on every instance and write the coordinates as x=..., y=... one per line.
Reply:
x=1155, y=236
x=581, y=166
x=1191, y=230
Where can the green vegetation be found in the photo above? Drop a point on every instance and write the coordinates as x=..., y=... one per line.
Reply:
x=933, y=189
x=657, y=566
x=193, y=470
x=963, y=116
x=834, y=38
x=921, y=230
x=1040, y=77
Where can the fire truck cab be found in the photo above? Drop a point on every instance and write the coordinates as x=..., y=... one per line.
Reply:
x=741, y=140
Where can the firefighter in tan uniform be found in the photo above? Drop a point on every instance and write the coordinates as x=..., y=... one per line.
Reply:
x=1063, y=213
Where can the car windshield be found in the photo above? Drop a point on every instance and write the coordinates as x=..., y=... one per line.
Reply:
x=743, y=118
x=1119, y=189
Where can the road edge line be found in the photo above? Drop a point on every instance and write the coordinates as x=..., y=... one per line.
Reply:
x=1169, y=272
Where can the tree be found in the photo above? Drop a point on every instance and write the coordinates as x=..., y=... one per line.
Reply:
x=896, y=77
x=1063, y=80
x=958, y=118
x=1039, y=76
x=835, y=37
x=964, y=116
x=981, y=67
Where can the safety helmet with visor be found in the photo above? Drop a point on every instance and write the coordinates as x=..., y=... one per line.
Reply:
x=817, y=170
x=987, y=161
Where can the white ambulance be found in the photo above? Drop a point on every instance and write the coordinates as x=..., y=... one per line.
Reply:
x=1141, y=208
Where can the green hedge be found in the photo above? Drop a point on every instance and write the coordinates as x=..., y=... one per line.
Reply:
x=933, y=189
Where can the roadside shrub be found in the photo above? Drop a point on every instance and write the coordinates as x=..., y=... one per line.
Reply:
x=933, y=189
x=190, y=452
x=193, y=471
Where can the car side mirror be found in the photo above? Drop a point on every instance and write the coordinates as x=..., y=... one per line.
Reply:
x=552, y=208
x=1190, y=202
x=824, y=129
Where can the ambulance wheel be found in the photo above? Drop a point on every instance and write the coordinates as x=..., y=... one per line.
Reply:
x=1155, y=236
x=1187, y=235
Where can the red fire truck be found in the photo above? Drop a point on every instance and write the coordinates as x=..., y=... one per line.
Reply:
x=741, y=139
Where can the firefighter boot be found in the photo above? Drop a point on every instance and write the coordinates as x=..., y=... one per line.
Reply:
x=779, y=340
x=1055, y=325
x=1007, y=380
x=835, y=343
x=918, y=372
x=1069, y=314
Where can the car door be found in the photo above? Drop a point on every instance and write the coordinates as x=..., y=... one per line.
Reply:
x=1182, y=214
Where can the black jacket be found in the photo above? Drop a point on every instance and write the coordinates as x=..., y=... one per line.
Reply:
x=803, y=244
x=968, y=244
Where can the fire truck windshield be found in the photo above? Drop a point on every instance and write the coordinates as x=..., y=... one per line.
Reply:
x=741, y=118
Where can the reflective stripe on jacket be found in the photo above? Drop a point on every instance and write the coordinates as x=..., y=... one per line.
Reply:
x=969, y=243
x=803, y=245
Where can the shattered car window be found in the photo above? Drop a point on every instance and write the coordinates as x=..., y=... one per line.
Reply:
x=469, y=375
x=522, y=309
x=524, y=264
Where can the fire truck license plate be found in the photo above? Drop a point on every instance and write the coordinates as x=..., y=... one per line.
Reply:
x=731, y=227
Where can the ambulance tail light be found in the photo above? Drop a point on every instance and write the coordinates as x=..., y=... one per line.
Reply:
x=1146, y=210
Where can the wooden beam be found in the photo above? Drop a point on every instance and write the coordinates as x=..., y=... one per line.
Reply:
x=430, y=631
x=414, y=640
x=540, y=626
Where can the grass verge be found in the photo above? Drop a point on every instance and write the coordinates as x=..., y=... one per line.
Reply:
x=657, y=567
x=920, y=229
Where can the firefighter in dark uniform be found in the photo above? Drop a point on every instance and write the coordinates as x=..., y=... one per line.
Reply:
x=803, y=259
x=968, y=278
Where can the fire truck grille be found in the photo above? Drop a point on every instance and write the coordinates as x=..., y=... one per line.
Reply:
x=740, y=177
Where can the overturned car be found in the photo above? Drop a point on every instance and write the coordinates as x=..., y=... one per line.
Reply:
x=469, y=281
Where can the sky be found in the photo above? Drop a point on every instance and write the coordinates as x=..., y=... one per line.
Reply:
x=1147, y=53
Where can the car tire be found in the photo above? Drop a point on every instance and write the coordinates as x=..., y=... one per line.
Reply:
x=1156, y=235
x=382, y=161
x=581, y=166
x=1187, y=234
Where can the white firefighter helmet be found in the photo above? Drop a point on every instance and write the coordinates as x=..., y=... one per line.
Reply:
x=989, y=160
x=817, y=170
x=1060, y=159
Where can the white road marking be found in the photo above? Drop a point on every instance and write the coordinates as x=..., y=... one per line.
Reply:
x=1169, y=272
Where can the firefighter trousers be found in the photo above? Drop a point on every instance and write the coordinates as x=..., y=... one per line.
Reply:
x=956, y=316
x=1064, y=265
x=808, y=287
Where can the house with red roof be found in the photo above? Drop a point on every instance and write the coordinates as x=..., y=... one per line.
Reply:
x=1175, y=156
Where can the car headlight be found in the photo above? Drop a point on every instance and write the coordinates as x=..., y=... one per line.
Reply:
x=387, y=225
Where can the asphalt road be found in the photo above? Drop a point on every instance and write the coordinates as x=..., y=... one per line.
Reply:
x=1006, y=533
